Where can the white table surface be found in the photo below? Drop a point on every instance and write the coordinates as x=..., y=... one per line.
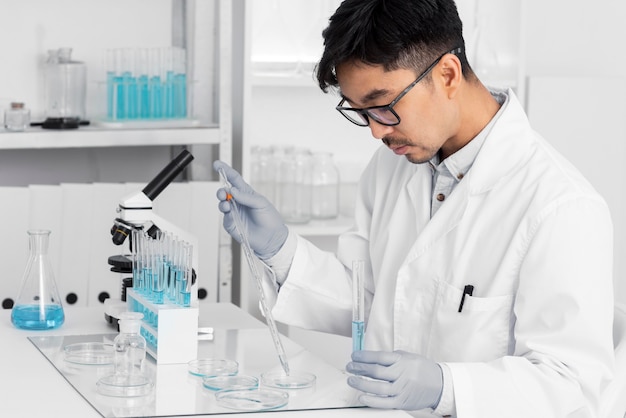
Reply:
x=31, y=387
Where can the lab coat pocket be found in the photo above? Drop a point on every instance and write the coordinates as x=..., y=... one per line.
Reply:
x=480, y=332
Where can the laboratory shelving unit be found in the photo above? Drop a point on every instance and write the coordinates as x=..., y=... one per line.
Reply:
x=203, y=28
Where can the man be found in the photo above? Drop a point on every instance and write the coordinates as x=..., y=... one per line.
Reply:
x=489, y=278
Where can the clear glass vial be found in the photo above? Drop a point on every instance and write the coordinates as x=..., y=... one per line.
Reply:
x=17, y=117
x=38, y=305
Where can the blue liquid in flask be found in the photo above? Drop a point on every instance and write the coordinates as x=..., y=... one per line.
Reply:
x=358, y=331
x=37, y=317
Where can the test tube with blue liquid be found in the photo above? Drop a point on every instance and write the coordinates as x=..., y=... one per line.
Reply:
x=180, y=83
x=173, y=269
x=158, y=291
x=358, y=304
x=146, y=83
x=185, y=293
x=134, y=239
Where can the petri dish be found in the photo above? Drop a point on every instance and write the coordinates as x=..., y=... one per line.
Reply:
x=230, y=382
x=252, y=399
x=124, y=385
x=209, y=367
x=90, y=353
x=294, y=380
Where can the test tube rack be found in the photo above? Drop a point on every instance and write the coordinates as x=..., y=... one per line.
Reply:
x=171, y=331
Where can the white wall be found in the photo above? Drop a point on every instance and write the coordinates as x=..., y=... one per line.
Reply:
x=577, y=82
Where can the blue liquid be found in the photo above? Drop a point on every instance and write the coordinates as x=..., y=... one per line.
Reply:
x=133, y=97
x=169, y=95
x=185, y=299
x=156, y=99
x=28, y=317
x=144, y=97
x=358, y=331
x=147, y=281
x=180, y=96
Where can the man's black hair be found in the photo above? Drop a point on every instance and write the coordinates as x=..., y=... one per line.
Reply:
x=392, y=33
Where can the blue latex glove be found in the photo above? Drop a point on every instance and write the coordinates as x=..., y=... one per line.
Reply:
x=402, y=380
x=265, y=227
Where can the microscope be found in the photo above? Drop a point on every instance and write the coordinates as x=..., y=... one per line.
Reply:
x=135, y=213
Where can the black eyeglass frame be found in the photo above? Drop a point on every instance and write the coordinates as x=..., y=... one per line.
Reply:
x=365, y=113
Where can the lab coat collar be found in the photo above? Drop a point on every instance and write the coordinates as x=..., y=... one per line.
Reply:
x=506, y=147
x=496, y=160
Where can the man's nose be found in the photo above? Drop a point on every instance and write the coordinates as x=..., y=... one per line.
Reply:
x=379, y=131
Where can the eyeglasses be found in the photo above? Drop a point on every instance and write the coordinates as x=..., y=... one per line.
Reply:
x=385, y=115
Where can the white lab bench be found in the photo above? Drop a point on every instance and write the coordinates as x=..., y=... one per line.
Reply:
x=33, y=387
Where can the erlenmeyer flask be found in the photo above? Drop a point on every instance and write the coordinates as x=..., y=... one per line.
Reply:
x=38, y=305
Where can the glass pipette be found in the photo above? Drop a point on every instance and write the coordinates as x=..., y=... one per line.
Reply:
x=245, y=244
x=358, y=304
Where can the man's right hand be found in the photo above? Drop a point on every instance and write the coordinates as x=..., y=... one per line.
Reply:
x=260, y=220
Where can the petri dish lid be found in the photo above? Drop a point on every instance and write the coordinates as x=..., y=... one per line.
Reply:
x=294, y=380
x=125, y=385
x=230, y=382
x=89, y=353
x=252, y=399
x=209, y=367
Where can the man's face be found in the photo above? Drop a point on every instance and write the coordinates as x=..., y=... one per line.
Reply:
x=424, y=111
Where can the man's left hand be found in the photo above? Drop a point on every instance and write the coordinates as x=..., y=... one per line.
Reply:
x=401, y=380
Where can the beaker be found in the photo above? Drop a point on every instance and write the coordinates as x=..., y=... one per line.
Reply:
x=65, y=90
x=38, y=305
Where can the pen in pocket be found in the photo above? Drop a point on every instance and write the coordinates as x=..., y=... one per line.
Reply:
x=468, y=290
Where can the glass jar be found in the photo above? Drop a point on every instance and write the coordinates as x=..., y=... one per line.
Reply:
x=325, y=187
x=17, y=117
x=263, y=172
x=294, y=186
x=65, y=87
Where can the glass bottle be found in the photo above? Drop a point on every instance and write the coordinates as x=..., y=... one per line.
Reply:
x=262, y=172
x=294, y=187
x=129, y=378
x=325, y=189
x=129, y=345
x=38, y=305
x=17, y=117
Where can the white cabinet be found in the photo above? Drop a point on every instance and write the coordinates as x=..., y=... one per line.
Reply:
x=90, y=155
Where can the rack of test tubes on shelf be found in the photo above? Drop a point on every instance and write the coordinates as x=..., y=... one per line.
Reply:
x=162, y=283
x=146, y=84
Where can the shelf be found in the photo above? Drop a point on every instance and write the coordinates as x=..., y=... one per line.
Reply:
x=284, y=75
x=295, y=80
x=323, y=227
x=94, y=137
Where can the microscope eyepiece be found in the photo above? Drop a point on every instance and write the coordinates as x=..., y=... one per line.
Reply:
x=165, y=177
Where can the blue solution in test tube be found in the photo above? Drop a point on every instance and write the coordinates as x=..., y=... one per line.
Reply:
x=358, y=304
x=180, y=84
x=157, y=277
x=186, y=291
x=143, y=89
x=154, y=84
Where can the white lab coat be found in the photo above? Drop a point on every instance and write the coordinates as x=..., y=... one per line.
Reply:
x=525, y=229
